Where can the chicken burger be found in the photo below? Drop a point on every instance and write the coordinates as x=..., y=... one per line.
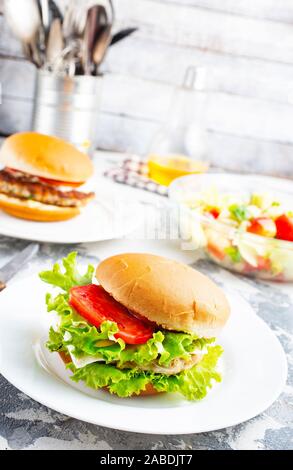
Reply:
x=40, y=176
x=142, y=325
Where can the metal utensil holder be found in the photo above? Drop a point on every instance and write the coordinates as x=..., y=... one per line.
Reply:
x=68, y=107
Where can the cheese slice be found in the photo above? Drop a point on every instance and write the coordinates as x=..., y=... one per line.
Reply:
x=80, y=362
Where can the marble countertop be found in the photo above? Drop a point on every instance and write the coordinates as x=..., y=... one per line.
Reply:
x=25, y=424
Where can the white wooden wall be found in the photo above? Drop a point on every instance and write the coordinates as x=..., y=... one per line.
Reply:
x=247, y=47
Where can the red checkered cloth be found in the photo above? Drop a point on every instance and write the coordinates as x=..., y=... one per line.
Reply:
x=133, y=171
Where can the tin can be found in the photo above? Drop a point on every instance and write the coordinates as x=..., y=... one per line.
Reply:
x=68, y=107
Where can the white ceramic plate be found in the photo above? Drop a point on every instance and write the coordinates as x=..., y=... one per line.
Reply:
x=254, y=372
x=100, y=220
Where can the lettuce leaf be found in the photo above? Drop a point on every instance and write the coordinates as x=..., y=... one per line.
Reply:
x=193, y=384
x=70, y=276
x=239, y=212
x=234, y=253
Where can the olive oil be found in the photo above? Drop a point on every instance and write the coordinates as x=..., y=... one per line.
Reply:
x=164, y=169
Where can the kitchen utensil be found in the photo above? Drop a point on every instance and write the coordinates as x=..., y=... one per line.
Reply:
x=76, y=16
x=55, y=10
x=68, y=61
x=124, y=33
x=55, y=43
x=32, y=53
x=97, y=39
x=68, y=24
x=49, y=12
x=101, y=46
x=25, y=25
x=45, y=15
x=94, y=23
x=12, y=267
x=43, y=6
x=62, y=5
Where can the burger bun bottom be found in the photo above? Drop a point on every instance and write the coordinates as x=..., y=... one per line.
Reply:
x=36, y=211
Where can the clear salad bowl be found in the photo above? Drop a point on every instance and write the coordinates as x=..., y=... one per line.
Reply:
x=226, y=242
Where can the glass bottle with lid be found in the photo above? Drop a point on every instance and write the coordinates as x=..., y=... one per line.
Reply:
x=180, y=146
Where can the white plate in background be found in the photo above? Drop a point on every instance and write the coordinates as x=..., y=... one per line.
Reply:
x=254, y=371
x=101, y=220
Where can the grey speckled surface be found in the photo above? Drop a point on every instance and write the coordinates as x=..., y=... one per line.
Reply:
x=25, y=424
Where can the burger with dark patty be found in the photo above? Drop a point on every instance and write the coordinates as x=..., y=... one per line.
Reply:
x=145, y=325
x=40, y=176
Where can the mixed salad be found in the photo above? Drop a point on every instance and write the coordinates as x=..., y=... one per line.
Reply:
x=230, y=223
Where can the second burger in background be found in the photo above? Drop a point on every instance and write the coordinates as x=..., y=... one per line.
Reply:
x=37, y=168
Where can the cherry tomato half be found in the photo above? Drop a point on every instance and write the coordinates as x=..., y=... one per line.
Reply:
x=94, y=304
x=284, y=225
x=214, y=212
x=263, y=226
x=216, y=251
x=263, y=264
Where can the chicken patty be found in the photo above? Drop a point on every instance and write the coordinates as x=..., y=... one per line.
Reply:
x=177, y=365
x=24, y=186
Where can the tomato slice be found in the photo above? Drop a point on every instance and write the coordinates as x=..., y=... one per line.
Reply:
x=284, y=225
x=94, y=304
x=59, y=183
